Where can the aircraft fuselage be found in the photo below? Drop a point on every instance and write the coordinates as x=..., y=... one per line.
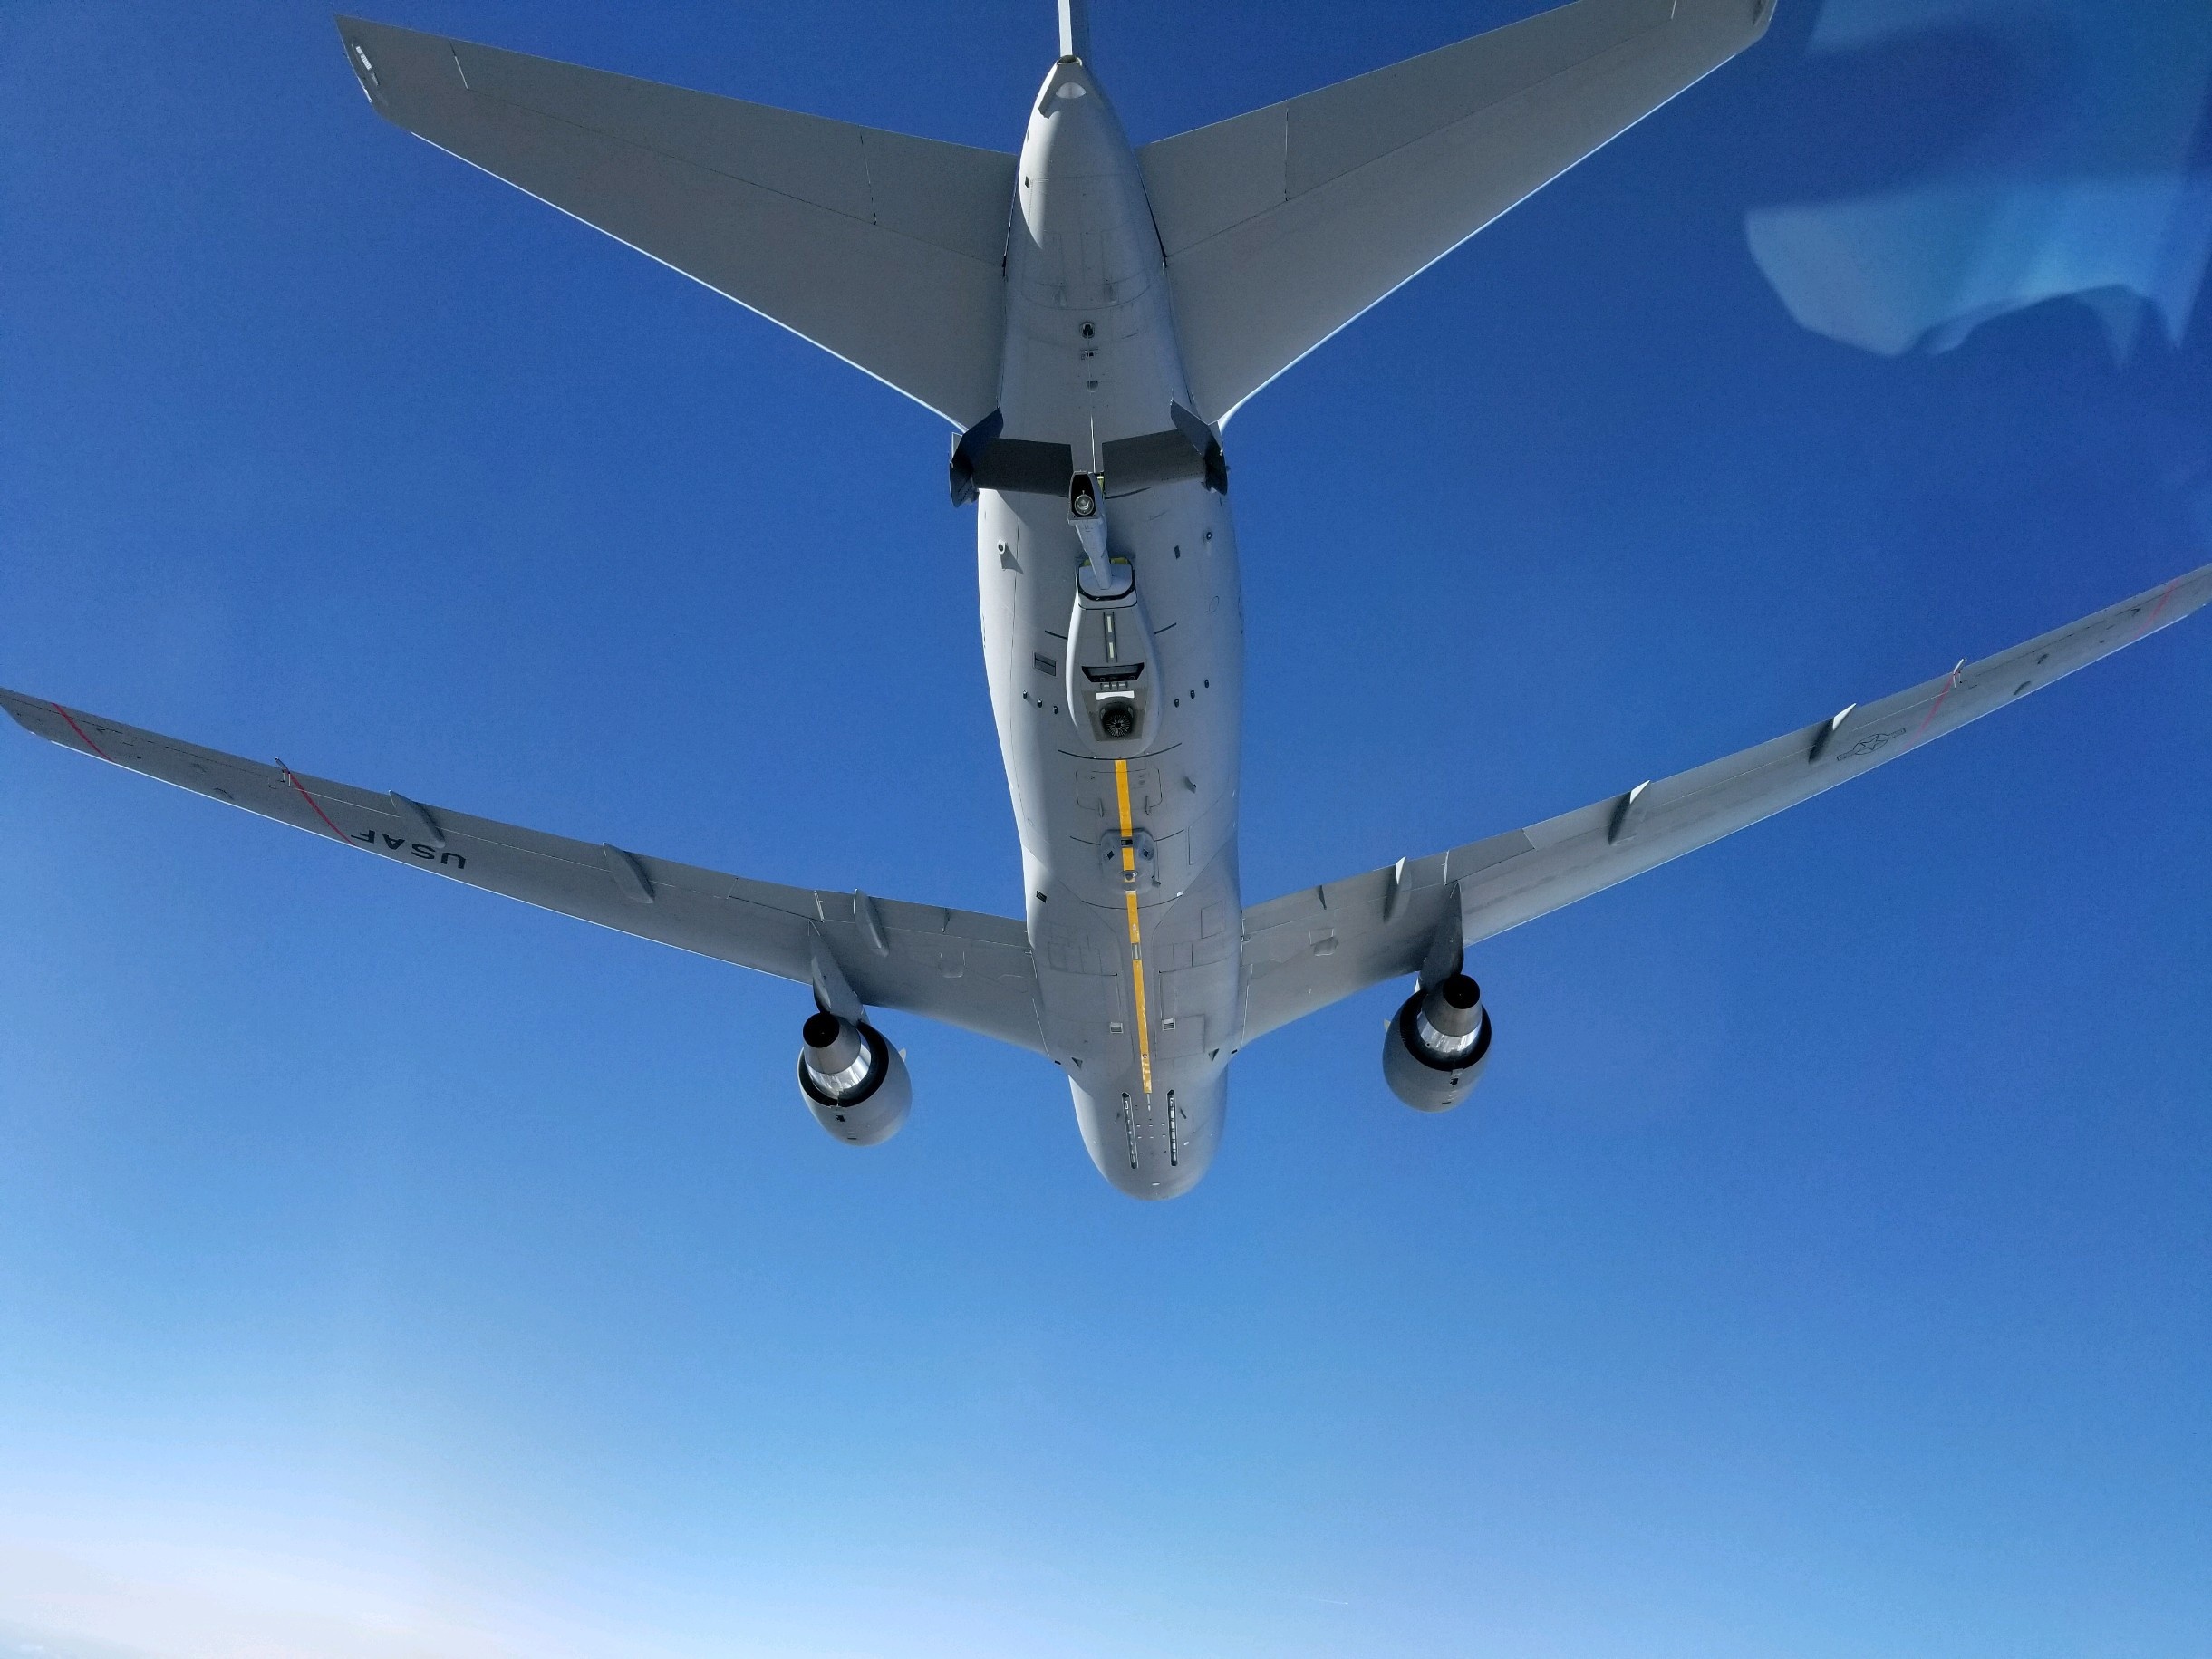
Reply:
x=1129, y=844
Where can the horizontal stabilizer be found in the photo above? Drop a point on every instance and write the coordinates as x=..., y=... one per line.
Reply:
x=1281, y=226
x=882, y=248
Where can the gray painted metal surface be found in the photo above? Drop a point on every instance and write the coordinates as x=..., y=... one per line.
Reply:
x=1281, y=226
x=1087, y=313
x=880, y=247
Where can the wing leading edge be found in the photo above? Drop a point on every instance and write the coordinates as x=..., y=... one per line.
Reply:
x=967, y=969
x=1311, y=947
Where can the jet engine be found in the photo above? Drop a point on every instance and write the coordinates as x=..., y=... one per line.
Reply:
x=854, y=1082
x=1437, y=1046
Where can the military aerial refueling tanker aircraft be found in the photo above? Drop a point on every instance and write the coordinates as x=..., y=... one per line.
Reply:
x=1087, y=315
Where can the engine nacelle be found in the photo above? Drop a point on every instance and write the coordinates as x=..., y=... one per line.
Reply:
x=854, y=1082
x=1437, y=1045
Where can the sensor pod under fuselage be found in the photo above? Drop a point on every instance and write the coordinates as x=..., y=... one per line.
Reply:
x=1112, y=688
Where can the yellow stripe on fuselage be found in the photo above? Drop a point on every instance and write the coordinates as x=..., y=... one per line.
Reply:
x=1137, y=940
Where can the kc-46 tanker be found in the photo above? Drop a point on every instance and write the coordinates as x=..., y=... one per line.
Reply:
x=1087, y=315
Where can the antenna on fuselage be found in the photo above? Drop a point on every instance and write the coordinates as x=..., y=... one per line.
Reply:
x=1075, y=29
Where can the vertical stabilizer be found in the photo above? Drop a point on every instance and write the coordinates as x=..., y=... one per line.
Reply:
x=1075, y=29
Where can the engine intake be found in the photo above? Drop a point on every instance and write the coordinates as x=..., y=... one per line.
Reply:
x=1436, y=1047
x=854, y=1082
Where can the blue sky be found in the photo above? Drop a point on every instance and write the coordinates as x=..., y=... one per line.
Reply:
x=1824, y=1268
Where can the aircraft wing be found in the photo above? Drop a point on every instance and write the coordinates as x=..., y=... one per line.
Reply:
x=1281, y=226
x=969, y=970
x=1311, y=947
x=882, y=248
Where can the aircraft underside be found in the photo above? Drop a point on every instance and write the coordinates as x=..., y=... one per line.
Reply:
x=1087, y=315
